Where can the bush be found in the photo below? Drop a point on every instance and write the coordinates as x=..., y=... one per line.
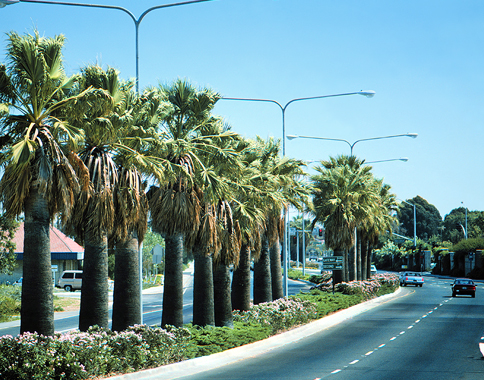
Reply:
x=81, y=355
x=210, y=340
x=280, y=314
x=10, y=297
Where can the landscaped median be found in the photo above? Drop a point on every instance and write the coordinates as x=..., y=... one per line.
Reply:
x=99, y=353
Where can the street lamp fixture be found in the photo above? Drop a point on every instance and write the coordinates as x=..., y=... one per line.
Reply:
x=366, y=93
x=351, y=145
x=404, y=159
x=4, y=3
x=137, y=21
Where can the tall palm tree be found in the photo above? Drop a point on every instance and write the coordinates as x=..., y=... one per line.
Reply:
x=380, y=220
x=341, y=199
x=286, y=181
x=113, y=205
x=176, y=202
x=37, y=145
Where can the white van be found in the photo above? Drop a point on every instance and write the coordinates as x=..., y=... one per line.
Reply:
x=70, y=280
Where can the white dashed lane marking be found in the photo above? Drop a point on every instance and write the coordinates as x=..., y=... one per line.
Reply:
x=391, y=339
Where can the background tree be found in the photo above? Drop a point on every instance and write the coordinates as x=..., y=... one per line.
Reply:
x=428, y=218
x=454, y=225
x=8, y=258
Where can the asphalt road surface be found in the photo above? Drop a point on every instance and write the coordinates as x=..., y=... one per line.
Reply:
x=152, y=308
x=423, y=333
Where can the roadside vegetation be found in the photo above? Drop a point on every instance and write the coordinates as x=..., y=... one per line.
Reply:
x=100, y=352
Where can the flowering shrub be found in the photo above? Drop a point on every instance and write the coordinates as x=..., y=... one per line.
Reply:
x=80, y=355
x=367, y=289
x=280, y=314
x=390, y=279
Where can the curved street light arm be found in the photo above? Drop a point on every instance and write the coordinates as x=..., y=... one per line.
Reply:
x=129, y=13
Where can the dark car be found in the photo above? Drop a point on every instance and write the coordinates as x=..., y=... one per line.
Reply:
x=463, y=286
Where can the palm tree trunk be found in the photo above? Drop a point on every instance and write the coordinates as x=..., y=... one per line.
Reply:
x=241, y=281
x=94, y=291
x=203, y=298
x=358, y=259
x=222, y=295
x=262, y=276
x=37, y=312
x=173, y=285
x=364, y=261
x=276, y=271
x=126, y=298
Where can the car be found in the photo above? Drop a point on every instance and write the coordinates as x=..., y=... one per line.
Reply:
x=411, y=278
x=70, y=280
x=373, y=270
x=463, y=286
x=18, y=282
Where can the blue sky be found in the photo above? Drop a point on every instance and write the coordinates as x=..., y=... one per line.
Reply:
x=424, y=59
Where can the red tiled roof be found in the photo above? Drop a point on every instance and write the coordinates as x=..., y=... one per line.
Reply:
x=59, y=243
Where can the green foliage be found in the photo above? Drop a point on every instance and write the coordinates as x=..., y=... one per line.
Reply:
x=468, y=245
x=210, y=340
x=10, y=297
x=8, y=227
x=428, y=218
x=389, y=248
x=327, y=303
x=294, y=274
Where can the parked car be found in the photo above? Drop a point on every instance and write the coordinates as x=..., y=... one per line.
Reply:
x=373, y=270
x=411, y=278
x=463, y=286
x=70, y=280
x=18, y=282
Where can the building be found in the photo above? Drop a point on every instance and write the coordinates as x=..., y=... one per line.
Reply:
x=65, y=253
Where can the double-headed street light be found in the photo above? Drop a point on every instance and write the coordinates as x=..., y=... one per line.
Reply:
x=351, y=145
x=137, y=21
x=368, y=94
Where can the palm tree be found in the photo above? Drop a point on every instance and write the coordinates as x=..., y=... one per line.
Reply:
x=39, y=178
x=380, y=220
x=176, y=203
x=285, y=174
x=113, y=205
x=341, y=200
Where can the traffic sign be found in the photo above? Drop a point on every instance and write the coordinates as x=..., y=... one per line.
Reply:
x=333, y=266
x=333, y=259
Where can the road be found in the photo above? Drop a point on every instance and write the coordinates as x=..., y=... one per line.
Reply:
x=152, y=307
x=423, y=333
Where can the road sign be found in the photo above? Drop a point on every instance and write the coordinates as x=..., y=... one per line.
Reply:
x=333, y=259
x=333, y=262
x=333, y=266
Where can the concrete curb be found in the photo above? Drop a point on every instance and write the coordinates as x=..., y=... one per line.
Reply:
x=205, y=363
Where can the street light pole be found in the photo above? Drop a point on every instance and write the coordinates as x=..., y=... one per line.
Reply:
x=465, y=232
x=368, y=94
x=136, y=21
x=414, y=223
